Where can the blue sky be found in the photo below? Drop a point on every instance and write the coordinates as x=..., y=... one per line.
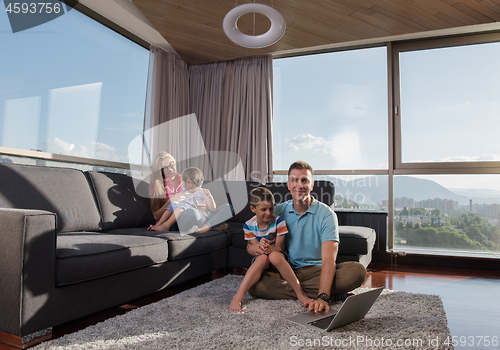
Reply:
x=81, y=83
x=450, y=104
x=331, y=110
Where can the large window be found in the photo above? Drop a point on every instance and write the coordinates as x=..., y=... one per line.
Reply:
x=71, y=86
x=450, y=110
x=432, y=160
x=331, y=110
x=447, y=159
x=447, y=214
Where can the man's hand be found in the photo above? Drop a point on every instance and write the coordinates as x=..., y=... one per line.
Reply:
x=254, y=248
x=318, y=305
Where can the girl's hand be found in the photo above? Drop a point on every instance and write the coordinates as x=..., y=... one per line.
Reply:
x=177, y=197
x=206, y=192
x=202, y=207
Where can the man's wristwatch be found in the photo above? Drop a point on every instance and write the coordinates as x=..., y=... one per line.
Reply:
x=323, y=296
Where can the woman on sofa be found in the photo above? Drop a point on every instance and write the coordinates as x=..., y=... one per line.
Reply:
x=167, y=187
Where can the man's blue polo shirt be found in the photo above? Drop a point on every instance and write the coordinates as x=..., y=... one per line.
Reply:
x=308, y=231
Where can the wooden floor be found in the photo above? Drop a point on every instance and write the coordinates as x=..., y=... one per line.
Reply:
x=470, y=299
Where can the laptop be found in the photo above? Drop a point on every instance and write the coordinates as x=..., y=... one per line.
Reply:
x=353, y=309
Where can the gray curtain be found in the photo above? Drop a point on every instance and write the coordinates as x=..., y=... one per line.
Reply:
x=167, y=99
x=232, y=101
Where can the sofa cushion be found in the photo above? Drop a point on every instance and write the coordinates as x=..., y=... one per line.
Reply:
x=356, y=240
x=237, y=239
x=86, y=256
x=182, y=246
x=119, y=203
x=62, y=191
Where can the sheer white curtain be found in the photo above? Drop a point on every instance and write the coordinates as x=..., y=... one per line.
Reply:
x=233, y=103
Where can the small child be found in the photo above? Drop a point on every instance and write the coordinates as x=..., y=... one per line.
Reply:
x=192, y=196
x=265, y=233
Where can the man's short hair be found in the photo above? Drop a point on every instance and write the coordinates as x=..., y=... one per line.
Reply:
x=301, y=165
x=261, y=194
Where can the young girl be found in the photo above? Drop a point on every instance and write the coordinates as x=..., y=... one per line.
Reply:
x=194, y=195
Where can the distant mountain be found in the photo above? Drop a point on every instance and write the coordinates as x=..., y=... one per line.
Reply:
x=476, y=192
x=479, y=195
x=375, y=189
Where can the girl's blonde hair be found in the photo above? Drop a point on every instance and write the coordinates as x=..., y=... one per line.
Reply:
x=193, y=174
x=158, y=195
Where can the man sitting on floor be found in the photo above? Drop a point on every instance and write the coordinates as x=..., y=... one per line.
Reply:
x=312, y=245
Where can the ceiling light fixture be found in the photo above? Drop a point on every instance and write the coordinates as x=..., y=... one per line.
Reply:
x=230, y=26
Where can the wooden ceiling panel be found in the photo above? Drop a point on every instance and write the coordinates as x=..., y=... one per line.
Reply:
x=194, y=27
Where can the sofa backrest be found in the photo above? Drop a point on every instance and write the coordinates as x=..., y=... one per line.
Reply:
x=63, y=191
x=324, y=191
x=118, y=201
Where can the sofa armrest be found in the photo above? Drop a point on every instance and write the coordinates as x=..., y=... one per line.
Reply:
x=376, y=220
x=27, y=266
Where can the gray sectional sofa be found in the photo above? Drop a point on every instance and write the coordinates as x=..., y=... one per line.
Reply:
x=73, y=243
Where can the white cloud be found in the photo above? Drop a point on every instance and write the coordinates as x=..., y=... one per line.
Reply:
x=481, y=158
x=344, y=147
x=59, y=146
x=307, y=141
x=107, y=152
x=96, y=150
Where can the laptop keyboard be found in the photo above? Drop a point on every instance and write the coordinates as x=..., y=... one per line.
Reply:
x=324, y=322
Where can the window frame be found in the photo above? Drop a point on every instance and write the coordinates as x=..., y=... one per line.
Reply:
x=402, y=168
x=396, y=165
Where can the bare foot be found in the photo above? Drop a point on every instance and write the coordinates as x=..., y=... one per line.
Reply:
x=193, y=229
x=235, y=305
x=159, y=228
x=196, y=229
x=221, y=227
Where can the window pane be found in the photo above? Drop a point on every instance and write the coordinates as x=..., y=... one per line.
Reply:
x=447, y=214
x=450, y=111
x=331, y=110
x=71, y=86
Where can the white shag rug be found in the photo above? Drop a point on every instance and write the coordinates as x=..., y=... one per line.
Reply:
x=199, y=318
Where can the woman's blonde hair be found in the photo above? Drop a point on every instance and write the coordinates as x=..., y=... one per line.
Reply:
x=158, y=195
